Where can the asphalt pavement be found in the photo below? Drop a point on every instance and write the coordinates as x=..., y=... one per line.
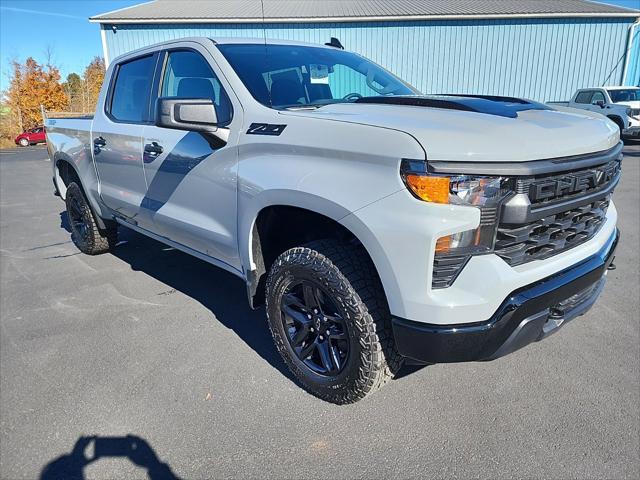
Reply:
x=147, y=362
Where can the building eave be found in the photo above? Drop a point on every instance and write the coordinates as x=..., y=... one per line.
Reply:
x=403, y=18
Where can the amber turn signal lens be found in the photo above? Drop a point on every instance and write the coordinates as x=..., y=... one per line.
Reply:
x=443, y=244
x=429, y=188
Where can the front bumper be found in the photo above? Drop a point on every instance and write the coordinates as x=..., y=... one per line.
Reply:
x=527, y=315
x=632, y=131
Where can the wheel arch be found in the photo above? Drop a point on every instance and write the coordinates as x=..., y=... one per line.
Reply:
x=617, y=119
x=65, y=172
x=276, y=227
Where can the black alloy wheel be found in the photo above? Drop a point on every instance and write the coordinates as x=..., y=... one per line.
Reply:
x=79, y=225
x=316, y=331
x=330, y=320
x=85, y=232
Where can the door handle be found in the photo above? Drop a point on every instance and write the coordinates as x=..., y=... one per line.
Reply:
x=99, y=142
x=153, y=148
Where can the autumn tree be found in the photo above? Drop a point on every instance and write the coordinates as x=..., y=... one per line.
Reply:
x=93, y=78
x=33, y=85
x=75, y=91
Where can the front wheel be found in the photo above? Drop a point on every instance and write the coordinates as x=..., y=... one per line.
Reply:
x=619, y=123
x=23, y=142
x=85, y=233
x=330, y=321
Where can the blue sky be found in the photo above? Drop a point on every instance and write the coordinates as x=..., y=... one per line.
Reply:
x=27, y=28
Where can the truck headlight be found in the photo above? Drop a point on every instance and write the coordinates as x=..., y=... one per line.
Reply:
x=485, y=193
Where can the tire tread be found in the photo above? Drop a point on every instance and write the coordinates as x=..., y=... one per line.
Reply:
x=99, y=241
x=346, y=268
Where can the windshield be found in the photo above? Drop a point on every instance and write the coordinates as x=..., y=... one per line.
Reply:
x=627, y=95
x=290, y=76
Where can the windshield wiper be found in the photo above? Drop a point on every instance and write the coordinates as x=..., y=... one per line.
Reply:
x=306, y=106
x=309, y=106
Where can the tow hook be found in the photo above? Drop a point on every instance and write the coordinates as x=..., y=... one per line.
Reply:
x=612, y=266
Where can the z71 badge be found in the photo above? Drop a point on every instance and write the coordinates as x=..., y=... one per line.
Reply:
x=265, y=129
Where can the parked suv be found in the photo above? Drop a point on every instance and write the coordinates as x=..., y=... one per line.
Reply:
x=375, y=224
x=31, y=137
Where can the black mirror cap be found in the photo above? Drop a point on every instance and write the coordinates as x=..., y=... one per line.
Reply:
x=599, y=103
x=194, y=114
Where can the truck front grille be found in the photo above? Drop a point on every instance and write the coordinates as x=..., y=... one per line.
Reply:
x=518, y=244
x=554, y=206
x=568, y=185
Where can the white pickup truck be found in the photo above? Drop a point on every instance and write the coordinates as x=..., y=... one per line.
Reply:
x=619, y=104
x=375, y=223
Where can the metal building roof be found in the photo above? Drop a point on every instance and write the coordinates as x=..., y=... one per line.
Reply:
x=249, y=11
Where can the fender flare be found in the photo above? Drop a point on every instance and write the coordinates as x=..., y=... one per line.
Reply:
x=250, y=252
x=617, y=119
x=283, y=198
x=62, y=189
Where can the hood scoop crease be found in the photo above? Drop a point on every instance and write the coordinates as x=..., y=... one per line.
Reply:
x=486, y=104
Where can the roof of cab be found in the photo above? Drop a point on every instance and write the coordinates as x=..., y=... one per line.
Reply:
x=621, y=87
x=268, y=41
x=217, y=41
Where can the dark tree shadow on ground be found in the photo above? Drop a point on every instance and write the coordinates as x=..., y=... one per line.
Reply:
x=221, y=292
x=88, y=450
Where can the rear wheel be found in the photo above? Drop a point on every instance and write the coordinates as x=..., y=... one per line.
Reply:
x=330, y=321
x=23, y=142
x=85, y=233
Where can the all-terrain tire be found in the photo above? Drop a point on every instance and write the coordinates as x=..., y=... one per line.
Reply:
x=85, y=233
x=346, y=274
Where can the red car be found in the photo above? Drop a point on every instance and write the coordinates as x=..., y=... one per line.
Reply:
x=31, y=137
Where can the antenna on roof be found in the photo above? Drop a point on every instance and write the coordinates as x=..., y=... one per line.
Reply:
x=335, y=43
x=266, y=52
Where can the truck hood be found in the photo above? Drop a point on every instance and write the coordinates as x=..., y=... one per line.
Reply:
x=483, y=132
x=633, y=104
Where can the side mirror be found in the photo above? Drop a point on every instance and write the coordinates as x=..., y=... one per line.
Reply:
x=193, y=114
x=197, y=114
x=599, y=103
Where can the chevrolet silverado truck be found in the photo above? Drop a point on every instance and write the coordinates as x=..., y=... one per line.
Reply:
x=619, y=104
x=375, y=224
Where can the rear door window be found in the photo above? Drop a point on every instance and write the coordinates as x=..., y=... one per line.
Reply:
x=132, y=90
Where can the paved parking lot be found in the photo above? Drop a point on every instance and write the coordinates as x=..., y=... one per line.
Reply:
x=153, y=361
